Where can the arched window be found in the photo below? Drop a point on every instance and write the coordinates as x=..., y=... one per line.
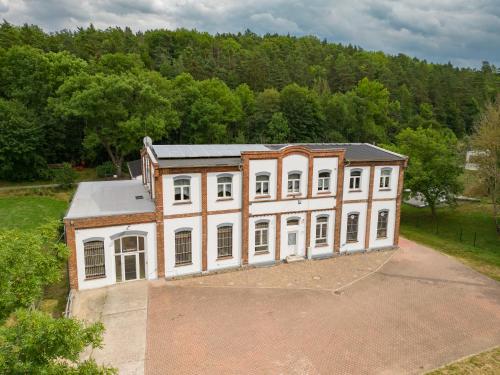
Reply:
x=294, y=182
x=224, y=240
x=355, y=179
x=324, y=181
x=93, y=253
x=183, y=247
x=321, y=230
x=352, y=227
x=130, y=255
x=182, y=189
x=225, y=186
x=292, y=221
x=382, y=221
x=262, y=237
x=385, y=178
x=262, y=184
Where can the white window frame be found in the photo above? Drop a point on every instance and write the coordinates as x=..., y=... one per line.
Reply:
x=382, y=229
x=385, y=179
x=224, y=241
x=355, y=179
x=224, y=186
x=187, y=242
x=294, y=188
x=322, y=230
x=263, y=184
x=183, y=188
x=261, y=234
x=324, y=182
x=94, y=259
x=351, y=216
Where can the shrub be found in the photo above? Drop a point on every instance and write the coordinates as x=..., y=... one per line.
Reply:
x=64, y=176
x=106, y=169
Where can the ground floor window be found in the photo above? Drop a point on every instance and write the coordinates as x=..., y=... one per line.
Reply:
x=321, y=230
x=130, y=261
x=93, y=252
x=183, y=248
x=382, y=224
x=352, y=227
x=261, y=237
x=224, y=241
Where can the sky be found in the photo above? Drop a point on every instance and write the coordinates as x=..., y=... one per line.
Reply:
x=463, y=32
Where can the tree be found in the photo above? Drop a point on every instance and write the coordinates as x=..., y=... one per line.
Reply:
x=29, y=261
x=32, y=342
x=486, y=140
x=118, y=109
x=65, y=176
x=277, y=129
x=433, y=167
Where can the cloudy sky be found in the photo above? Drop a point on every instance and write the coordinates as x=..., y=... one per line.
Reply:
x=464, y=32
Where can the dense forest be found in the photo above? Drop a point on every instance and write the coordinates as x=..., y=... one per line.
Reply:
x=88, y=96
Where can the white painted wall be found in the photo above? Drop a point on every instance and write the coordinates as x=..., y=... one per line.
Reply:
x=291, y=205
x=322, y=250
x=170, y=226
x=258, y=166
x=170, y=206
x=301, y=240
x=329, y=164
x=376, y=207
x=216, y=203
x=365, y=184
x=393, y=192
x=213, y=222
x=294, y=162
x=109, y=252
x=261, y=258
x=348, y=208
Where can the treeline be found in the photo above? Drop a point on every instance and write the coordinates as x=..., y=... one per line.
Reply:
x=91, y=95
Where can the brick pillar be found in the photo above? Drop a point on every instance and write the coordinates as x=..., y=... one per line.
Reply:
x=160, y=242
x=338, y=203
x=308, y=230
x=279, y=178
x=310, y=176
x=204, y=221
x=369, y=208
x=245, y=210
x=277, y=244
x=399, y=199
x=72, y=265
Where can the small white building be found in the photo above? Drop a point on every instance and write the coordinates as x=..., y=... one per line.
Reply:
x=203, y=208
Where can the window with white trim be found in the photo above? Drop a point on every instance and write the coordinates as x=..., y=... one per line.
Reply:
x=93, y=253
x=224, y=241
x=382, y=221
x=355, y=179
x=292, y=221
x=262, y=237
x=182, y=189
x=224, y=186
x=183, y=248
x=352, y=227
x=321, y=230
x=294, y=182
x=324, y=181
x=262, y=184
x=385, y=178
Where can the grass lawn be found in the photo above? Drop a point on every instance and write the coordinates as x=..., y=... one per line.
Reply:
x=487, y=363
x=85, y=174
x=466, y=232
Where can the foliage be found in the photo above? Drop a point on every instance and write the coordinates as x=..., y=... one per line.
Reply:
x=486, y=141
x=64, y=176
x=106, y=169
x=33, y=342
x=29, y=261
x=433, y=167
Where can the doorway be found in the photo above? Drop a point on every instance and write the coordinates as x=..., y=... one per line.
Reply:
x=130, y=258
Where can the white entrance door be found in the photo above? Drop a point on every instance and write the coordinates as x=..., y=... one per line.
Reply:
x=292, y=242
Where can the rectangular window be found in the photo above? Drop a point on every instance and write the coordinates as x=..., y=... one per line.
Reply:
x=352, y=227
x=93, y=252
x=382, y=224
x=262, y=185
x=225, y=241
x=355, y=180
x=321, y=230
x=183, y=248
x=324, y=181
x=261, y=237
x=385, y=178
x=294, y=183
x=182, y=190
x=224, y=187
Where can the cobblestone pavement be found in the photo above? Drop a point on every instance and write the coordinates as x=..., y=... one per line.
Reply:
x=419, y=310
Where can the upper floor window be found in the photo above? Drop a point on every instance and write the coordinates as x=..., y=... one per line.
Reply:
x=262, y=237
x=93, y=254
x=224, y=186
x=352, y=227
x=224, y=241
x=355, y=179
x=262, y=184
x=321, y=230
x=294, y=182
x=324, y=181
x=182, y=189
x=183, y=247
x=382, y=223
x=385, y=178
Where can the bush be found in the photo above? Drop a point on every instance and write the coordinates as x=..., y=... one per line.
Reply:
x=64, y=176
x=106, y=169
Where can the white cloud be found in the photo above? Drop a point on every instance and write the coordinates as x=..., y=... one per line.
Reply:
x=464, y=32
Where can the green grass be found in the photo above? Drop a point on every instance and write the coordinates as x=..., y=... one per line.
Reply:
x=85, y=174
x=454, y=234
x=487, y=363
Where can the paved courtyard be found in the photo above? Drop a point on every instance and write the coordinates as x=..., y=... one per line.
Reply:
x=391, y=312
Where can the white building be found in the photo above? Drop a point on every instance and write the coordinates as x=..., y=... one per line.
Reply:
x=203, y=208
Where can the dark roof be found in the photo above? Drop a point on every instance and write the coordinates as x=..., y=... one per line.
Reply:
x=229, y=153
x=198, y=162
x=135, y=168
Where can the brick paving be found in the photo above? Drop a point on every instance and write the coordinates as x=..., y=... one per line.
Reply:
x=420, y=310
